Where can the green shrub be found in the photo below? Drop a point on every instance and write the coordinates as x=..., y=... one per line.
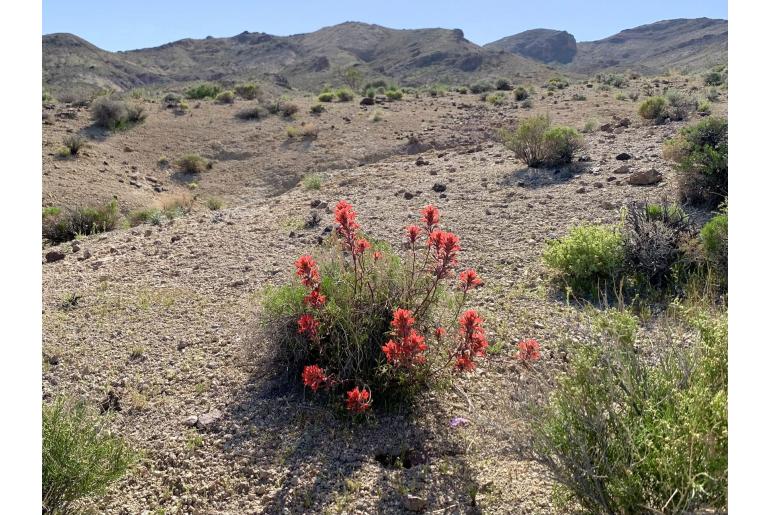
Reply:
x=394, y=94
x=557, y=83
x=344, y=94
x=327, y=96
x=248, y=91
x=712, y=95
x=215, y=203
x=503, y=85
x=520, y=93
x=192, y=163
x=463, y=90
x=172, y=100
x=653, y=108
x=225, y=97
x=623, y=434
x=74, y=143
x=288, y=109
x=252, y=113
x=481, y=87
x=537, y=143
x=80, y=457
x=713, y=238
x=202, y=91
x=496, y=99
x=66, y=224
x=311, y=182
x=700, y=154
x=588, y=259
x=679, y=105
x=590, y=126
x=108, y=113
x=527, y=103
x=713, y=78
x=317, y=109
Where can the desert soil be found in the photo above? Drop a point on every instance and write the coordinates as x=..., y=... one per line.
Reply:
x=166, y=313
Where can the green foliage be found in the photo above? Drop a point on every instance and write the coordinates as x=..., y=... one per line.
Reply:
x=74, y=143
x=679, y=105
x=713, y=238
x=588, y=259
x=115, y=114
x=503, y=85
x=700, y=154
x=248, y=91
x=557, y=83
x=520, y=93
x=344, y=94
x=653, y=108
x=481, y=87
x=713, y=78
x=252, y=113
x=496, y=99
x=613, y=79
x=226, y=97
x=202, y=91
x=394, y=94
x=311, y=182
x=538, y=144
x=192, y=163
x=704, y=107
x=61, y=225
x=352, y=77
x=624, y=434
x=214, y=203
x=326, y=96
x=80, y=457
x=317, y=109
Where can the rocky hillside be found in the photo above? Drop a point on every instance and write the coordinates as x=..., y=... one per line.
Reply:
x=307, y=61
x=545, y=45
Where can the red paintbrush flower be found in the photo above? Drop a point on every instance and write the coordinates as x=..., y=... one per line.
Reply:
x=412, y=233
x=430, y=217
x=315, y=299
x=346, y=218
x=529, y=350
x=361, y=245
x=473, y=342
x=377, y=255
x=402, y=322
x=440, y=332
x=469, y=279
x=357, y=400
x=308, y=325
x=313, y=377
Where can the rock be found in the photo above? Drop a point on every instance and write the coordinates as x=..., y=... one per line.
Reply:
x=408, y=196
x=190, y=421
x=53, y=256
x=624, y=122
x=110, y=403
x=607, y=127
x=414, y=503
x=421, y=162
x=621, y=170
x=208, y=420
x=623, y=156
x=645, y=177
x=606, y=204
x=581, y=189
x=366, y=101
x=439, y=187
x=584, y=159
x=598, y=185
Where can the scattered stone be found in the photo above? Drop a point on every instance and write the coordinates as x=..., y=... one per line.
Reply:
x=584, y=159
x=408, y=196
x=645, y=177
x=53, y=256
x=208, y=420
x=621, y=170
x=607, y=127
x=414, y=503
x=624, y=122
x=623, y=156
x=439, y=187
x=366, y=101
x=421, y=162
x=110, y=403
x=190, y=421
x=581, y=189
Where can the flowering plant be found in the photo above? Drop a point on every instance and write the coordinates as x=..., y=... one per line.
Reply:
x=377, y=325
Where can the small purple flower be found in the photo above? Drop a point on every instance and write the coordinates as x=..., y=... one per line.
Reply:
x=459, y=421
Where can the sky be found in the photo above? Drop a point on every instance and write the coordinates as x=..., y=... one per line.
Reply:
x=141, y=23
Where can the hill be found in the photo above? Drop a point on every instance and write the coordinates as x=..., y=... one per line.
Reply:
x=545, y=45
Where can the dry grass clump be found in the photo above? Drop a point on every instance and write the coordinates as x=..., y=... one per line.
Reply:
x=193, y=163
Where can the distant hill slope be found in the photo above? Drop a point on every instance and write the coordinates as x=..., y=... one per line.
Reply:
x=545, y=45
x=692, y=44
x=411, y=57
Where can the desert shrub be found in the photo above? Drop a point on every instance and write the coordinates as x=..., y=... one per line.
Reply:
x=306, y=131
x=503, y=85
x=557, y=83
x=136, y=113
x=226, y=97
x=679, y=105
x=481, y=87
x=495, y=99
x=289, y=109
x=520, y=93
x=192, y=163
x=537, y=143
x=344, y=94
x=713, y=78
x=376, y=116
x=590, y=126
x=80, y=457
x=248, y=91
x=273, y=107
x=214, y=203
x=704, y=107
x=633, y=95
x=66, y=224
x=201, y=91
x=653, y=108
x=317, y=109
x=713, y=238
x=374, y=85
x=652, y=238
x=311, y=182
x=359, y=318
x=526, y=103
x=620, y=96
x=74, y=143
x=327, y=96
x=252, y=113
x=172, y=100
x=588, y=259
x=394, y=94
x=700, y=154
x=712, y=95
x=463, y=90
x=109, y=113
x=625, y=434
x=613, y=79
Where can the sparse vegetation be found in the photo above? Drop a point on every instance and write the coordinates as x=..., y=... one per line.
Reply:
x=311, y=182
x=203, y=91
x=64, y=224
x=520, y=93
x=225, y=97
x=80, y=457
x=74, y=143
x=192, y=163
x=317, y=109
x=537, y=143
x=248, y=91
x=653, y=108
x=344, y=94
x=252, y=113
x=116, y=114
x=328, y=96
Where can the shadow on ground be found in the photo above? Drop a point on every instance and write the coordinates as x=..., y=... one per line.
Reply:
x=535, y=178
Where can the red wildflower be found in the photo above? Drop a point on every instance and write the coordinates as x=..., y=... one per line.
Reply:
x=313, y=377
x=308, y=325
x=469, y=279
x=430, y=217
x=464, y=364
x=402, y=322
x=315, y=299
x=346, y=218
x=440, y=332
x=307, y=271
x=529, y=350
x=473, y=342
x=413, y=232
x=357, y=400
x=377, y=255
x=361, y=245
x=445, y=246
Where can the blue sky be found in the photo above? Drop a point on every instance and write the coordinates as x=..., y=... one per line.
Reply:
x=140, y=23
